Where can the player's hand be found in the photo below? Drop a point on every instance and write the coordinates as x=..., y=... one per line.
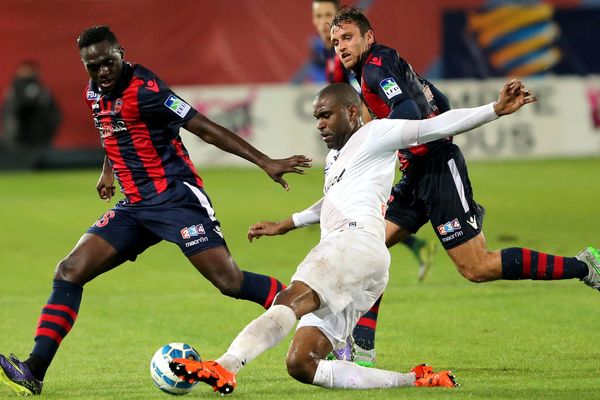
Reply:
x=513, y=96
x=269, y=228
x=106, y=186
x=277, y=168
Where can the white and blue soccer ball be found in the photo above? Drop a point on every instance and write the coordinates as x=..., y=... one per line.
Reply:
x=163, y=377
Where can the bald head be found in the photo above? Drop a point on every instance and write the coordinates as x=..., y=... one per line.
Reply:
x=337, y=110
x=341, y=93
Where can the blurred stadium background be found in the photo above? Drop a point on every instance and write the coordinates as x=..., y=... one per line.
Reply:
x=248, y=65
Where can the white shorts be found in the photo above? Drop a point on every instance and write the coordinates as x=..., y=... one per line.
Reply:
x=349, y=271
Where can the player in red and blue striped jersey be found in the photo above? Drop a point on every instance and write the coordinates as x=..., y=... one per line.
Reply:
x=138, y=118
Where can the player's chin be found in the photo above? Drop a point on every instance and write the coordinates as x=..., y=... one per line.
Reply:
x=348, y=62
x=348, y=65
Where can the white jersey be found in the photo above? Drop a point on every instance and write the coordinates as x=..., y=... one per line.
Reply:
x=359, y=176
x=358, y=180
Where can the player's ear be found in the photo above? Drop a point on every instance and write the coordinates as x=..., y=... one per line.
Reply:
x=353, y=112
x=370, y=36
x=122, y=52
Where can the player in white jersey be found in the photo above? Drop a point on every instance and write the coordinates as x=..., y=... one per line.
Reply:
x=347, y=271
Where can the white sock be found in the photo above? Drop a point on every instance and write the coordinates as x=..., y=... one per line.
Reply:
x=347, y=375
x=258, y=336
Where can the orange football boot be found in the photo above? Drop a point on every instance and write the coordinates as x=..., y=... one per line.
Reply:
x=444, y=378
x=209, y=372
x=421, y=370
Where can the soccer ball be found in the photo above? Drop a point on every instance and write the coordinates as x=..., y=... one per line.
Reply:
x=163, y=377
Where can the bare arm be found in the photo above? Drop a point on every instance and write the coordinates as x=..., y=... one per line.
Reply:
x=307, y=217
x=228, y=141
x=106, y=183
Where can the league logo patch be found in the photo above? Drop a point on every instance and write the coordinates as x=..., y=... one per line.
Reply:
x=177, y=105
x=390, y=87
x=449, y=227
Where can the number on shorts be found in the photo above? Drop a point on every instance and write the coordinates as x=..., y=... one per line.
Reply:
x=102, y=222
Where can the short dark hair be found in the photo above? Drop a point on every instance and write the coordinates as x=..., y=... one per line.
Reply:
x=336, y=3
x=353, y=15
x=342, y=93
x=96, y=34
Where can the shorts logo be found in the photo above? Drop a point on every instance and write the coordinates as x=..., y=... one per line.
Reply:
x=471, y=221
x=449, y=227
x=390, y=87
x=217, y=230
x=197, y=241
x=177, y=105
x=191, y=231
x=455, y=235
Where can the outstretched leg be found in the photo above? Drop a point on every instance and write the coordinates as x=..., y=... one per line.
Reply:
x=305, y=363
x=476, y=263
x=91, y=256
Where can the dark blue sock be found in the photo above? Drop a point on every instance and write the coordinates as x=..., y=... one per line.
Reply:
x=521, y=263
x=56, y=320
x=260, y=289
x=364, y=332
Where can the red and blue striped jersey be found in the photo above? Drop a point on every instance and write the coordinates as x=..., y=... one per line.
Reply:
x=139, y=124
x=387, y=80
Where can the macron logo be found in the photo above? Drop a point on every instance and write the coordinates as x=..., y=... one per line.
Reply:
x=152, y=86
x=375, y=61
x=471, y=221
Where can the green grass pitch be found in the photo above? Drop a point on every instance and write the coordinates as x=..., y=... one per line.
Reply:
x=503, y=340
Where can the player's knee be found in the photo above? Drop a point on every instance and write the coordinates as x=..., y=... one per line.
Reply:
x=301, y=367
x=229, y=284
x=67, y=270
x=474, y=272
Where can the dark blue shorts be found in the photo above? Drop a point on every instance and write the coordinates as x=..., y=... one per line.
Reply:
x=182, y=214
x=438, y=189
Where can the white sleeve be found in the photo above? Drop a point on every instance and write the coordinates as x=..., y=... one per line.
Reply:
x=310, y=216
x=402, y=134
